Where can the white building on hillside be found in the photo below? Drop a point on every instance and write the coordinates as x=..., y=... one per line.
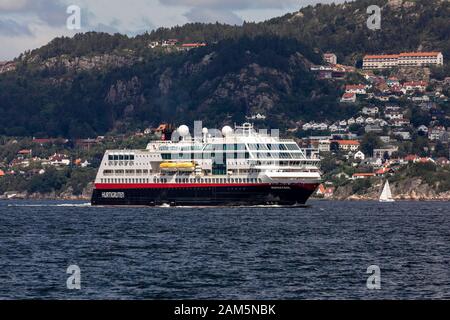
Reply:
x=405, y=59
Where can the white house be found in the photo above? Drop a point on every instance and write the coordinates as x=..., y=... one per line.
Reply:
x=348, y=145
x=85, y=164
x=257, y=117
x=324, y=146
x=59, y=160
x=382, y=152
x=356, y=89
x=435, y=134
x=334, y=128
x=360, y=120
x=370, y=120
x=359, y=155
x=371, y=111
x=423, y=129
x=405, y=135
x=381, y=122
x=415, y=85
x=330, y=58
x=393, y=114
x=400, y=122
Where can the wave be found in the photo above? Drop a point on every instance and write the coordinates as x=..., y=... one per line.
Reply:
x=51, y=205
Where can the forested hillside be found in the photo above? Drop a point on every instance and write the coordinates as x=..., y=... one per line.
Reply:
x=95, y=83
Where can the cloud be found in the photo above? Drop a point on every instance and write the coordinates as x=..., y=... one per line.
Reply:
x=232, y=4
x=236, y=11
x=12, y=5
x=10, y=28
x=50, y=12
x=27, y=24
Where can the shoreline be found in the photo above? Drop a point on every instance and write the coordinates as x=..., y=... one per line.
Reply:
x=350, y=199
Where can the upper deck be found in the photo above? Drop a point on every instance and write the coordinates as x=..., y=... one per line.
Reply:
x=242, y=143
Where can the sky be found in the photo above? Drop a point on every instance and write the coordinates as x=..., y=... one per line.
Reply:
x=29, y=24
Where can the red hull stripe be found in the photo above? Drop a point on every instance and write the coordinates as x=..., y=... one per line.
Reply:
x=115, y=186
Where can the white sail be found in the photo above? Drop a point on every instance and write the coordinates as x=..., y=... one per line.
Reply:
x=386, y=195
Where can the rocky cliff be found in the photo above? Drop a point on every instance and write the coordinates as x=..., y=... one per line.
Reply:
x=67, y=195
x=408, y=189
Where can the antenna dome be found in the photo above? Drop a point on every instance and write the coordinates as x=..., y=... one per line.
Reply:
x=227, y=130
x=183, y=131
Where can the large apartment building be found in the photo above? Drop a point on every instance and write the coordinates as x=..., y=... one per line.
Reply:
x=405, y=59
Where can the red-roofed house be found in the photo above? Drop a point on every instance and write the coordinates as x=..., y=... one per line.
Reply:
x=424, y=160
x=25, y=152
x=348, y=98
x=22, y=154
x=382, y=171
x=411, y=158
x=362, y=175
x=189, y=46
x=415, y=85
x=348, y=145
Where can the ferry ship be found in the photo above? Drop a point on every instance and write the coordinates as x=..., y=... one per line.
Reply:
x=231, y=167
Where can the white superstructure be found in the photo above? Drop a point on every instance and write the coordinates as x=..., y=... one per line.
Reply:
x=239, y=156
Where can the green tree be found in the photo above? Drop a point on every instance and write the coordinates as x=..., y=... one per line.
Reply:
x=369, y=142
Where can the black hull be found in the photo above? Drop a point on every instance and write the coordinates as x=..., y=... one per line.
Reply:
x=285, y=195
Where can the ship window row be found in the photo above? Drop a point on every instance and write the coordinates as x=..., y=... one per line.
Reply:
x=125, y=172
x=126, y=163
x=225, y=147
x=178, y=148
x=125, y=180
x=185, y=180
x=209, y=147
x=274, y=146
x=186, y=156
x=120, y=163
x=219, y=180
x=121, y=157
x=281, y=155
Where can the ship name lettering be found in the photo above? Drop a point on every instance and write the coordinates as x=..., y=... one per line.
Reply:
x=113, y=195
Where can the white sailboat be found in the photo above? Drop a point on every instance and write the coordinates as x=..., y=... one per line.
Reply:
x=386, y=195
